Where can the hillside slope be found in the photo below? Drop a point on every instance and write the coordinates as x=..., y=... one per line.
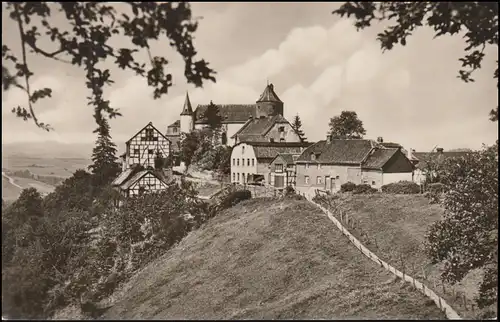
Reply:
x=267, y=259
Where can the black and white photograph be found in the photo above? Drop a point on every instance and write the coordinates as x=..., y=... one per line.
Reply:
x=250, y=160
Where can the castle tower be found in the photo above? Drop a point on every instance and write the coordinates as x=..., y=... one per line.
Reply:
x=269, y=104
x=187, y=117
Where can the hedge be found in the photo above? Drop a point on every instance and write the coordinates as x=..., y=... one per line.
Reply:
x=401, y=187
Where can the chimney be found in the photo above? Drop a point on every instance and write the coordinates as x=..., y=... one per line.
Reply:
x=410, y=153
x=440, y=150
x=380, y=139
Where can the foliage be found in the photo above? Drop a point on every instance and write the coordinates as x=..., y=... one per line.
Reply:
x=364, y=189
x=347, y=187
x=82, y=34
x=235, y=197
x=347, y=125
x=479, y=20
x=212, y=117
x=297, y=126
x=401, y=187
x=199, y=147
x=189, y=146
x=105, y=166
x=435, y=192
x=467, y=237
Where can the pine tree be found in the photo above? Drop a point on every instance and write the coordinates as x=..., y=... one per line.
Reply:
x=297, y=126
x=105, y=166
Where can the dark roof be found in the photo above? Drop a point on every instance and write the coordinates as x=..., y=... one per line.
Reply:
x=269, y=95
x=439, y=157
x=269, y=150
x=390, y=145
x=259, y=126
x=175, y=124
x=130, y=176
x=288, y=158
x=352, y=151
x=187, y=109
x=154, y=128
x=230, y=113
x=379, y=157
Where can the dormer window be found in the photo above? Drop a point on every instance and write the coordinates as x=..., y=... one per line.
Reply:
x=313, y=157
x=242, y=150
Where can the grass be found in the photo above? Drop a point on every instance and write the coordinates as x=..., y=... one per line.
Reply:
x=267, y=259
x=9, y=191
x=396, y=226
x=206, y=189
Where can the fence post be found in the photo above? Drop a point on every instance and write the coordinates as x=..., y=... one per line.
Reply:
x=465, y=301
x=444, y=288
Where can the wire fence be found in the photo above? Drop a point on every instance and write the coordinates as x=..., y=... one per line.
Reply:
x=344, y=218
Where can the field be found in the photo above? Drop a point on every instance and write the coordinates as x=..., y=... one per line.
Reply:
x=57, y=167
x=267, y=259
x=394, y=227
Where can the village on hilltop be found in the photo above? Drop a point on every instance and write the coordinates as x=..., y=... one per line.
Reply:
x=267, y=150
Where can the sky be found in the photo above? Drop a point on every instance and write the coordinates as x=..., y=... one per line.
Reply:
x=319, y=65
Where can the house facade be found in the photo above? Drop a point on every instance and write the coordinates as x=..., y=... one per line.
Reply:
x=430, y=161
x=283, y=170
x=250, y=160
x=140, y=172
x=234, y=117
x=267, y=129
x=328, y=164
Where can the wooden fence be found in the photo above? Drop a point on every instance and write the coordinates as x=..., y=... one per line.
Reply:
x=440, y=302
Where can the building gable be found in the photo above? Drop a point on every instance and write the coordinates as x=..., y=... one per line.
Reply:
x=398, y=163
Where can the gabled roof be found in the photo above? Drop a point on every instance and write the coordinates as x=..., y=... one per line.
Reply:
x=379, y=157
x=150, y=124
x=175, y=124
x=424, y=157
x=129, y=177
x=353, y=151
x=259, y=126
x=288, y=158
x=187, y=109
x=230, y=113
x=269, y=95
x=390, y=145
x=269, y=150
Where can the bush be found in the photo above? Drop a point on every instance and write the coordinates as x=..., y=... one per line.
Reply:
x=363, y=189
x=435, y=192
x=234, y=198
x=347, y=187
x=401, y=187
x=289, y=191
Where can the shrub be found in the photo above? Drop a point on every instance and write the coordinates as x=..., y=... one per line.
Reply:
x=289, y=191
x=401, y=187
x=363, y=189
x=347, y=187
x=234, y=198
x=436, y=187
x=435, y=192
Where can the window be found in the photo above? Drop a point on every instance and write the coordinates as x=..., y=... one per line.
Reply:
x=253, y=162
x=243, y=162
x=282, y=140
x=238, y=176
x=242, y=150
x=234, y=174
x=238, y=162
x=136, y=151
x=248, y=162
x=319, y=166
x=319, y=180
x=306, y=179
x=149, y=135
x=307, y=165
x=338, y=177
x=313, y=156
x=151, y=151
x=174, y=130
x=271, y=140
x=373, y=183
x=224, y=138
x=278, y=167
x=281, y=129
x=234, y=162
x=243, y=177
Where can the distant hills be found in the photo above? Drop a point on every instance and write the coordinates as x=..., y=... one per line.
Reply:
x=51, y=149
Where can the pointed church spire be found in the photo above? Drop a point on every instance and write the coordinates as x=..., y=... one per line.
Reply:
x=187, y=109
x=269, y=95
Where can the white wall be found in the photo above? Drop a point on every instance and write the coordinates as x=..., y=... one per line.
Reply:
x=419, y=176
x=242, y=152
x=388, y=178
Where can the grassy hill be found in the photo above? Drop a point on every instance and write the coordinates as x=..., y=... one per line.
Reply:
x=267, y=259
x=396, y=226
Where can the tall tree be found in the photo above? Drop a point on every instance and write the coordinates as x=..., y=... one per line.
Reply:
x=467, y=237
x=82, y=34
x=347, y=125
x=212, y=117
x=297, y=126
x=105, y=166
x=479, y=20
